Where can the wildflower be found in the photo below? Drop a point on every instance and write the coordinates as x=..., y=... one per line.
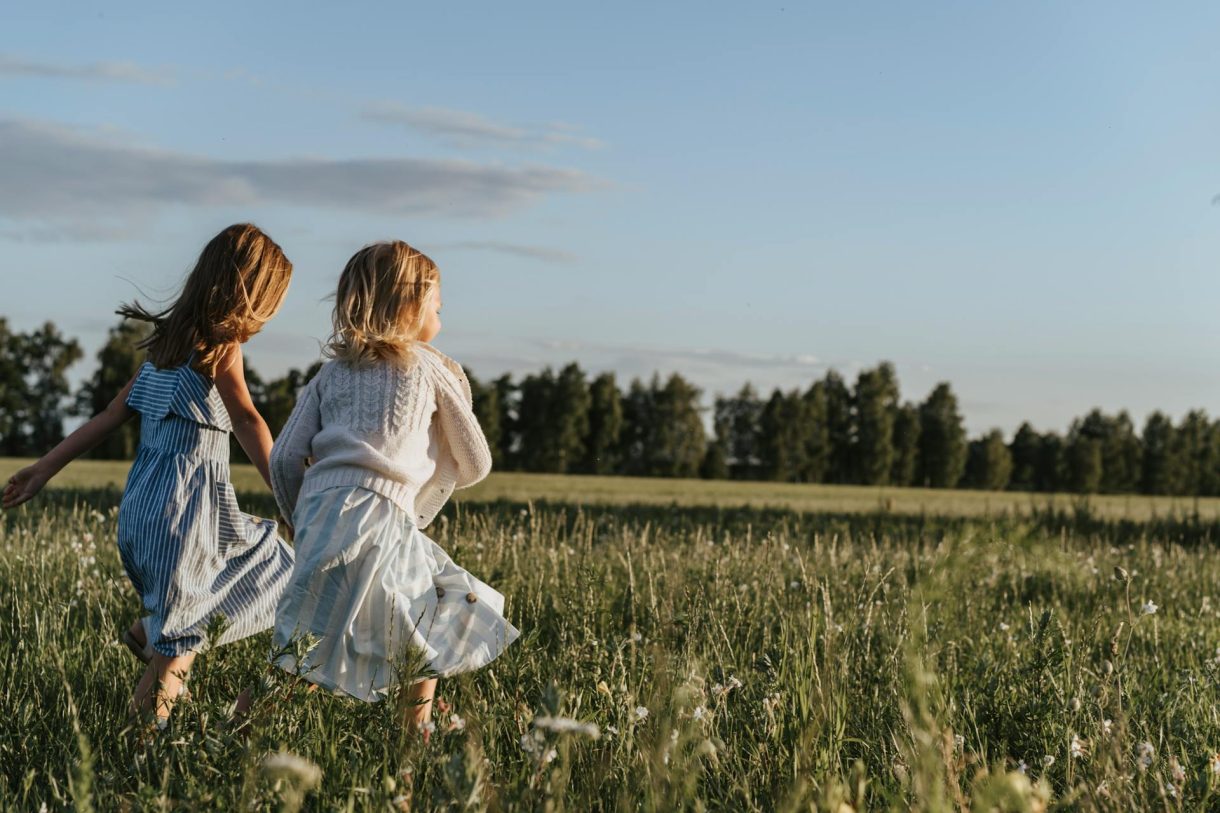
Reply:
x=1079, y=747
x=1003, y=627
x=1171, y=790
x=959, y=742
x=1048, y=761
x=299, y=770
x=1176, y=770
x=1022, y=767
x=549, y=756
x=636, y=637
x=1149, y=608
x=565, y=725
x=699, y=713
x=1107, y=726
x=1146, y=753
x=641, y=712
x=429, y=727
x=88, y=537
x=1076, y=704
x=456, y=723
x=1215, y=764
x=611, y=730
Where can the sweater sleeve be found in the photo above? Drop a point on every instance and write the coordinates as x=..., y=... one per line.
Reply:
x=464, y=457
x=292, y=447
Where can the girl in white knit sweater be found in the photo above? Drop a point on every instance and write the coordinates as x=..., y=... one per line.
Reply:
x=388, y=430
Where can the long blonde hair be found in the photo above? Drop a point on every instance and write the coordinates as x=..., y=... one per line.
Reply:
x=380, y=303
x=236, y=286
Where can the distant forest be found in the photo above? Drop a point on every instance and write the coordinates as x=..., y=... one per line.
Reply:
x=564, y=421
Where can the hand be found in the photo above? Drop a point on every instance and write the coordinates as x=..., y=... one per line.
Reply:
x=23, y=485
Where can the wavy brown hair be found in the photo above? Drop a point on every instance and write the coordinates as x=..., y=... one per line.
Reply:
x=237, y=285
x=379, y=305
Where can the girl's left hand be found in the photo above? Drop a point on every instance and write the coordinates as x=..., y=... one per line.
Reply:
x=23, y=485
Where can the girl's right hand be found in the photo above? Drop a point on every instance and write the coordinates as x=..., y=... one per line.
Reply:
x=23, y=485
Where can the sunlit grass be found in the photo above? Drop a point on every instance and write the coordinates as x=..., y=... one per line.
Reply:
x=671, y=659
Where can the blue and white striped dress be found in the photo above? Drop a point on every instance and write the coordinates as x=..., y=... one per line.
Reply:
x=192, y=555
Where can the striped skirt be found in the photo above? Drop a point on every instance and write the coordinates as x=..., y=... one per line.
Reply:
x=194, y=557
x=372, y=598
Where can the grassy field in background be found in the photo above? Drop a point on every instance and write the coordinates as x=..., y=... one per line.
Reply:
x=590, y=490
x=672, y=659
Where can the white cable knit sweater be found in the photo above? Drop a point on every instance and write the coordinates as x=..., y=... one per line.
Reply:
x=372, y=426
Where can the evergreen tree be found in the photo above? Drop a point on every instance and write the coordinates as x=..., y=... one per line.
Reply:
x=553, y=420
x=815, y=433
x=906, y=445
x=988, y=463
x=1119, y=447
x=680, y=439
x=715, y=465
x=117, y=363
x=507, y=398
x=1025, y=449
x=1084, y=462
x=781, y=438
x=1163, y=470
x=876, y=399
x=638, y=420
x=605, y=426
x=1200, y=453
x=1052, y=473
x=942, y=440
x=840, y=427
x=736, y=422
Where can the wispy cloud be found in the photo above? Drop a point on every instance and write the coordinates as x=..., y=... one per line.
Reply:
x=716, y=371
x=464, y=129
x=550, y=255
x=12, y=65
x=59, y=175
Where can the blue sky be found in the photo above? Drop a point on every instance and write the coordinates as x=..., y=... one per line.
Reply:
x=1016, y=198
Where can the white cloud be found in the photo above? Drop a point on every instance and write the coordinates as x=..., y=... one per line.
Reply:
x=544, y=253
x=85, y=181
x=465, y=129
x=11, y=65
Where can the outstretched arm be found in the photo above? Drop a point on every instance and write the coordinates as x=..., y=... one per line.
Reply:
x=248, y=426
x=29, y=481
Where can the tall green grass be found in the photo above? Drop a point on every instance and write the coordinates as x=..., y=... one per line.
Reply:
x=672, y=659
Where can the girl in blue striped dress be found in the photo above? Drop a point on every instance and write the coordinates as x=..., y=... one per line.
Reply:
x=191, y=554
x=389, y=431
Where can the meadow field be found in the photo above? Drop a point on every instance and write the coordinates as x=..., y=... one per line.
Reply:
x=686, y=646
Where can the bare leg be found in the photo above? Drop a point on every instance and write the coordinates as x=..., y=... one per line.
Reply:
x=161, y=685
x=419, y=707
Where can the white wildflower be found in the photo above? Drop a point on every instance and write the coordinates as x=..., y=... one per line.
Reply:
x=636, y=637
x=1171, y=790
x=611, y=730
x=1107, y=726
x=1149, y=608
x=457, y=723
x=1215, y=764
x=549, y=756
x=429, y=727
x=1079, y=747
x=959, y=742
x=1022, y=767
x=1146, y=754
x=566, y=725
x=1003, y=627
x=641, y=712
x=699, y=713
x=1048, y=760
x=300, y=771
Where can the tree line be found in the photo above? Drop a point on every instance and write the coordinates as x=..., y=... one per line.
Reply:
x=564, y=421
